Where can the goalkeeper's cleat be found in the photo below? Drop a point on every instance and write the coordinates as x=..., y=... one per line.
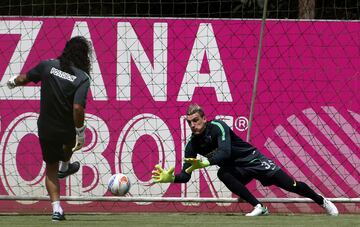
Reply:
x=57, y=216
x=258, y=211
x=330, y=207
x=73, y=168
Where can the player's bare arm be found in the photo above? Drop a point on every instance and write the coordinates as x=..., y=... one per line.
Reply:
x=79, y=113
x=19, y=80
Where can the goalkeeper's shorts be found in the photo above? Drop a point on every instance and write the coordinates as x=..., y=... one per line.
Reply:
x=257, y=166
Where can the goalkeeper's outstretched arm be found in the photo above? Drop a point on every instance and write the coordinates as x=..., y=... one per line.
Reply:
x=183, y=176
x=160, y=175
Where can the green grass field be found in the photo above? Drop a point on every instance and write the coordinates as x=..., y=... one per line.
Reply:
x=177, y=219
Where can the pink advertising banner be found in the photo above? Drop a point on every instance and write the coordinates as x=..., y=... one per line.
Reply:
x=146, y=72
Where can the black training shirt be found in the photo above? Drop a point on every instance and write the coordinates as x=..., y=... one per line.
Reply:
x=219, y=144
x=59, y=91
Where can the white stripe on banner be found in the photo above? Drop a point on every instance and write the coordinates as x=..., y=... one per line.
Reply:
x=343, y=123
x=332, y=137
x=315, y=143
x=310, y=163
x=357, y=118
x=295, y=172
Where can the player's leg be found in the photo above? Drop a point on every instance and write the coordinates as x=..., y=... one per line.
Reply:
x=235, y=182
x=52, y=182
x=226, y=175
x=67, y=168
x=284, y=181
x=51, y=152
x=53, y=188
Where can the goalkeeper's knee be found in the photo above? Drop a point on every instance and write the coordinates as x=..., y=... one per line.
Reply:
x=295, y=186
x=298, y=186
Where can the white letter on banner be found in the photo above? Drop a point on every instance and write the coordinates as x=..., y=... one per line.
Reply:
x=129, y=46
x=192, y=188
x=92, y=158
x=205, y=43
x=97, y=86
x=140, y=125
x=28, y=31
x=14, y=183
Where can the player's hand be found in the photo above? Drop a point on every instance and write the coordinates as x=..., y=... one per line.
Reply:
x=196, y=164
x=159, y=175
x=11, y=83
x=80, y=138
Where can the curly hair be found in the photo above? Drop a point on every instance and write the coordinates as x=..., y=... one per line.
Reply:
x=78, y=53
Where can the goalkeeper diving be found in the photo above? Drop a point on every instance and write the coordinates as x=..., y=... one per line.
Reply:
x=239, y=163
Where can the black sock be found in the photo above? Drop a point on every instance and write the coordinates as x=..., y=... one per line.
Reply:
x=284, y=181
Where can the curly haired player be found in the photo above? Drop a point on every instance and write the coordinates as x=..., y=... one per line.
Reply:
x=64, y=86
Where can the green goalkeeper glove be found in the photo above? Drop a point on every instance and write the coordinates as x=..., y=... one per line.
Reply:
x=196, y=164
x=159, y=175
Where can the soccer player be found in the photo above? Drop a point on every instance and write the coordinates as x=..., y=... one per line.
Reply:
x=239, y=163
x=64, y=86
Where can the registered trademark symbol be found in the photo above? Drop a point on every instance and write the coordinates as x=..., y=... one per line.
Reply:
x=241, y=123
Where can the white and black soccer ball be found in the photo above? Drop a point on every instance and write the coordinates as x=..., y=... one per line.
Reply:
x=119, y=184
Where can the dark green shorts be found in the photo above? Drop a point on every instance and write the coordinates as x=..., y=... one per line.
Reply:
x=256, y=166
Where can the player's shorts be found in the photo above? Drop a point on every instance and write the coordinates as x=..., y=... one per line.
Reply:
x=257, y=167
x=53, y=151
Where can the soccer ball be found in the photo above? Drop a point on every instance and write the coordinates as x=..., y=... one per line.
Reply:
x=119, y=184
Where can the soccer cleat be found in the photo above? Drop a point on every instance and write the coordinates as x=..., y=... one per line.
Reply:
x=73, y=168
x=57, y=216
x=330, y=208
x=258, y=211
